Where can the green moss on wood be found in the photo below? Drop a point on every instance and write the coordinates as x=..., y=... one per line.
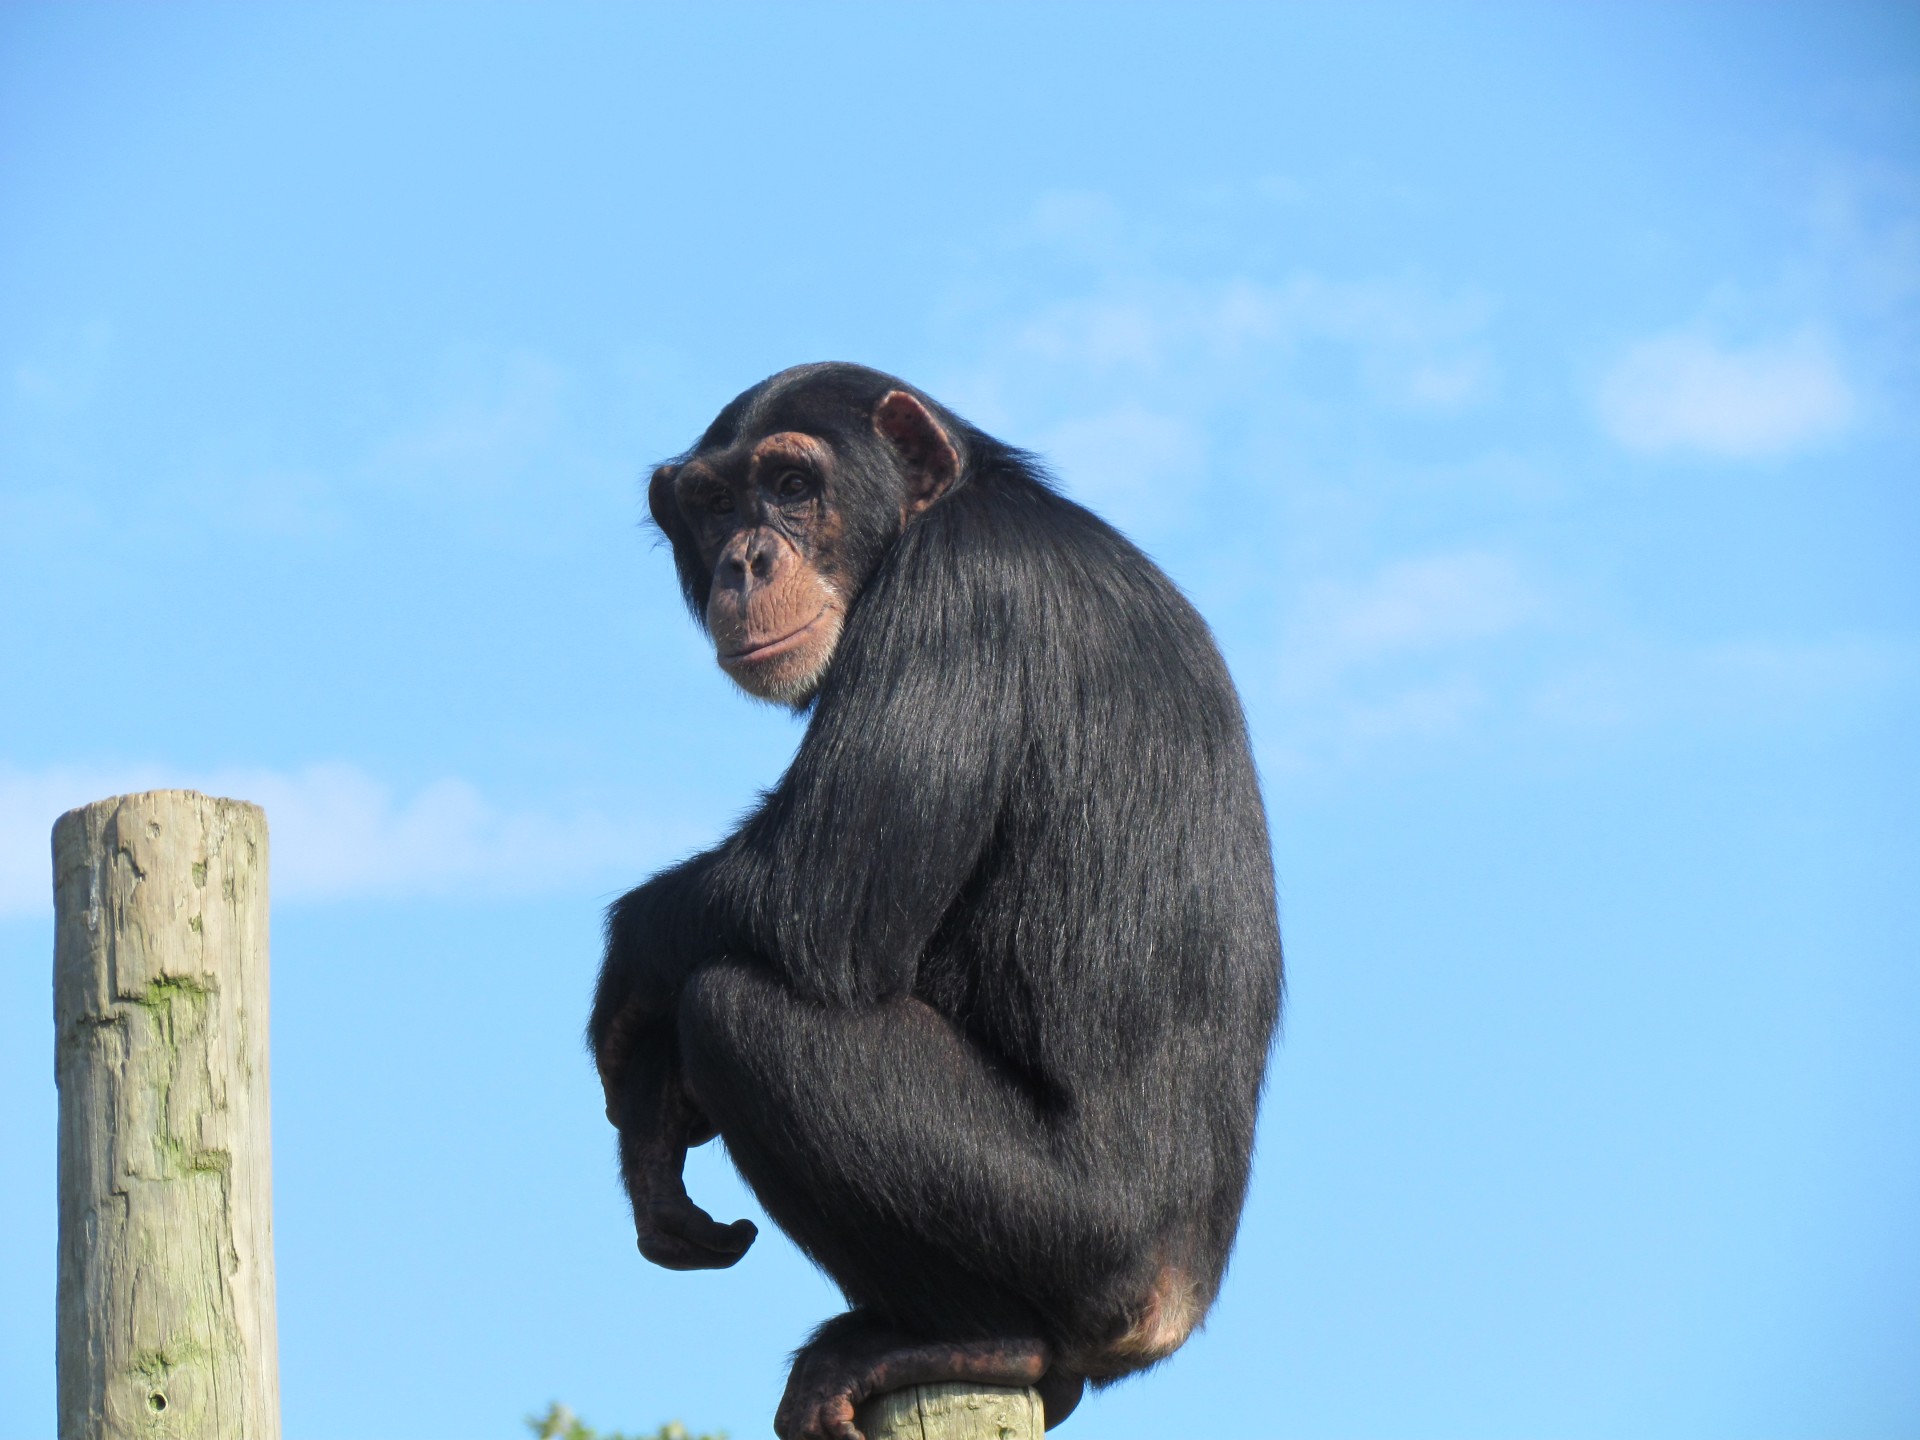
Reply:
x=163, y=994
x=179, y=1159
x=158, y=1364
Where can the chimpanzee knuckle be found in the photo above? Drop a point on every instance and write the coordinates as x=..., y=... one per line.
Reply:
x=791, y=1415
x=837, y=1422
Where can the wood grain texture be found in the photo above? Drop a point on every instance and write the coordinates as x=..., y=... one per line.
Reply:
x=166, y=1298
x=953, y=1412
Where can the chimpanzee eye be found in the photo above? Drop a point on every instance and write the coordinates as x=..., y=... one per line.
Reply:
x=792, y=483
x=720, y=503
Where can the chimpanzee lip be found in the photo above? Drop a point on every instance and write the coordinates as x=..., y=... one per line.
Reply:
x=767, y=649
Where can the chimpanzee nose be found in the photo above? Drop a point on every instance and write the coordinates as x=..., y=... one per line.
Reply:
x=750, y=561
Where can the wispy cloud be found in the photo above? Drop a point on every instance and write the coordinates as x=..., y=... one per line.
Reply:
x=488, y=443
x=1469, y=642
x=1411, y=348
x=1684, y=392
x=1159, y=400
x=1137, y=319
x=1402, y=652
x=64, y=376
x=495, y=420
x=1428, y=603
x=1743, y=680
x=339, y=833
x=1133, y=464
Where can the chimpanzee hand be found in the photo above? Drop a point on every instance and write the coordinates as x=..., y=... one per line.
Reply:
x=676, y=1233
x=658, y=1120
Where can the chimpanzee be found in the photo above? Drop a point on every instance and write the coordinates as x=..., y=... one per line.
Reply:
x=980, y=995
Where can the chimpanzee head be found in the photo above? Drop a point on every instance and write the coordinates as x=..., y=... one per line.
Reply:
x=787, y=504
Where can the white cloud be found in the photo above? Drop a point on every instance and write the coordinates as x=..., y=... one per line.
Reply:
x=66, y=376
x=1112, y=333
x=1437, y=708
x=1135, y=466
x=1685, y=392
x=1449, y=384
x=496, y=422
x=339, y=833
x=1415, y=606
x=1143, y=391
x=1728, y=681
x=1406, y=652
x=1412, y=348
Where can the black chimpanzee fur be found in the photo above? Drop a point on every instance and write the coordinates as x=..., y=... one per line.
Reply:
x=980, y=995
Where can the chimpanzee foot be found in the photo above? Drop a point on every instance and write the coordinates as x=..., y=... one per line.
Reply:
x=852, y=1358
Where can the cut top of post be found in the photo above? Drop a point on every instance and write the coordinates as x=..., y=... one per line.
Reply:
x=954, y=1411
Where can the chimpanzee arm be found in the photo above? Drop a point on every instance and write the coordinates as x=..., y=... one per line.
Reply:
x=655, y=939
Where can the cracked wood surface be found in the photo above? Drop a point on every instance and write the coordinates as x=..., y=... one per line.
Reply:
x=166, y=1296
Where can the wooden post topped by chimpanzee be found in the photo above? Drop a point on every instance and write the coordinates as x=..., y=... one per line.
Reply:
x=166, y=1297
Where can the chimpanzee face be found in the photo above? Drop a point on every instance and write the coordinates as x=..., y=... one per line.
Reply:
x=763, y=520
x=774, y=533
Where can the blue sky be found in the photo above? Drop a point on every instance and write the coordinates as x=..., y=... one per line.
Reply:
x=1525, y=395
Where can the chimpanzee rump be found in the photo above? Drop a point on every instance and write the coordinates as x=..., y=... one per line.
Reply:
x=980, y=995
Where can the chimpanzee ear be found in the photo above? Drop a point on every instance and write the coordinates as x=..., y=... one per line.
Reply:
x=661, y=502
x=932, y=464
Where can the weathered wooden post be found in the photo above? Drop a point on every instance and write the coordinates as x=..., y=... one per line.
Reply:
x=166, y=1308
x=953, y=1412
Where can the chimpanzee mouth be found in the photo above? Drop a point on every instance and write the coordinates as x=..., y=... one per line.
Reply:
x=766, y=650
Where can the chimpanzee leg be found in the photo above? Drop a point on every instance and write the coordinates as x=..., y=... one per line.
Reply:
x=918, y=1173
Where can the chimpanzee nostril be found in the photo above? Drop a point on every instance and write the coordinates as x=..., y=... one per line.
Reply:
x=748, y=562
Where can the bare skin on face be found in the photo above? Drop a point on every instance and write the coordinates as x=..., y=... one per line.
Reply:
x=774, y=619
x=766, y=526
